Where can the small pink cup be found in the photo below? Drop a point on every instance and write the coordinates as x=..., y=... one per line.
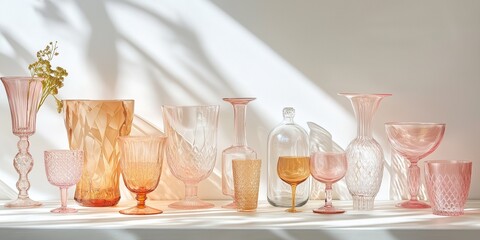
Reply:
x=448, y=184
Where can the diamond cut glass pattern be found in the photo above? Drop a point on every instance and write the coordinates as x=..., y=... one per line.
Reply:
x=191, y=148
x=94, y=126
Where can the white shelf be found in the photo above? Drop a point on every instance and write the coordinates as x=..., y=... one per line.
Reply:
x=384, y=222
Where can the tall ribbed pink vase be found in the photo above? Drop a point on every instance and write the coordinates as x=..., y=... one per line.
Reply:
x=364, y=154
x=23, y=97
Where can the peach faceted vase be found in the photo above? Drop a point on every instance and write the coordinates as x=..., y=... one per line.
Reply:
x=94, y=127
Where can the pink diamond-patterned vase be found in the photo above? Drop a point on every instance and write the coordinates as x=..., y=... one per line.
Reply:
x=364, y=154
x=448, y=184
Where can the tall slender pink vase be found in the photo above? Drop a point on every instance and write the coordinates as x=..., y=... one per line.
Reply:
x=364, y=154
x=23, y=97
x=239, y=149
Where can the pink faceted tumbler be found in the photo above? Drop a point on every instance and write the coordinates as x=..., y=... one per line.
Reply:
x=448, y=184
x=64, y=168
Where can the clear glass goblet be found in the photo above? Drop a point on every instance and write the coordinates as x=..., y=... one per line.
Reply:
x=328, y=168
x=191, y=148
x=414, y=141
x=141, y=163
x=63, y=168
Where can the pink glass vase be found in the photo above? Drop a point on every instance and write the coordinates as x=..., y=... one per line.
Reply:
x=364, y=154
x=23, y=97
x=414, y=141
x=191, y=148
x=239, y=149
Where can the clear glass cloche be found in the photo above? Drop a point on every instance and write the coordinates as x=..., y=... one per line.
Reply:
x=287, y=140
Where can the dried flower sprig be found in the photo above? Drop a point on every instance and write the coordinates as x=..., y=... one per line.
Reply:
x=53, y=78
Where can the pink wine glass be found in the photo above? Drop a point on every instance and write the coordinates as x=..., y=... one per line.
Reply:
x=64, y=168
x=414, y=141
x=328, y=168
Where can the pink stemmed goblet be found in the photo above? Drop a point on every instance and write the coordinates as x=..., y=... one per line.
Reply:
x=64, y=168
x=414, y=141
x=191, y=148
x=328, y=168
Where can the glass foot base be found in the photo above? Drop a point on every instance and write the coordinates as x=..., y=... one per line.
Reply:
x=23, y=203
x=413, y=204
x=292, y=210
x=232, y=205
x=457, y=212
x=191, y=204
x=328, y=210
x=140, y=211
x=363, y=203
x=64, y=210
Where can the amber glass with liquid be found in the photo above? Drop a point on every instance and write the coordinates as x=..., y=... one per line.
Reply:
x=293, y=170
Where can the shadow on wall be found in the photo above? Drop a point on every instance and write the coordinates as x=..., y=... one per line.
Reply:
x=103, y=56
x=102, y=50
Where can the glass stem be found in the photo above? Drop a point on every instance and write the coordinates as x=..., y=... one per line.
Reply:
x=23, y=163
x=294, y=189
x=141, y=198
x=413, y=180
x=190, y=192
x=328, y=195
x=63, y=197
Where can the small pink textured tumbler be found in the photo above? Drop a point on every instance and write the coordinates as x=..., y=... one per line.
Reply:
x=448, y=184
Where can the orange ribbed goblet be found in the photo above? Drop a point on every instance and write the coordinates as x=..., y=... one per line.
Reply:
x=141, y=163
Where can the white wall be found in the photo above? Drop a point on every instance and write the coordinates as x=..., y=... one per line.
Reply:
x=285, y=53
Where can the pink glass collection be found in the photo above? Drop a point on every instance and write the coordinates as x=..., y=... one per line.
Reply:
x=63, y=168
x=190, y=148
x=414, y=141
